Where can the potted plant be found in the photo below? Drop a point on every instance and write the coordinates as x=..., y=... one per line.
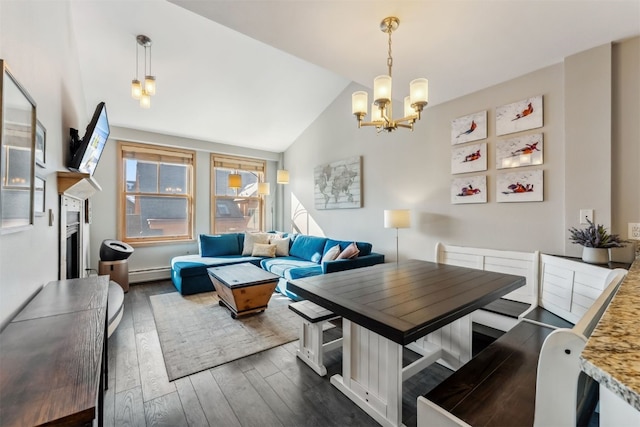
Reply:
x=595, y=242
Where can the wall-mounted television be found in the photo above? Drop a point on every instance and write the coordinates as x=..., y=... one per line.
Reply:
x=85, y=153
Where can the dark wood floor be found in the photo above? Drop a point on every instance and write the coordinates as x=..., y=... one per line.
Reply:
x=272, y=388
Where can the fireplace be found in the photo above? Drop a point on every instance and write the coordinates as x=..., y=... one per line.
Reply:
x=71, y=238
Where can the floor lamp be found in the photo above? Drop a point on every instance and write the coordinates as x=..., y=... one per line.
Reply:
x=397, y=218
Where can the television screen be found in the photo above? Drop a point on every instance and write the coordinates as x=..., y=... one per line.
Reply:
x=85, y=159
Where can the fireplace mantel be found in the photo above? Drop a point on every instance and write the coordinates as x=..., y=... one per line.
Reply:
x=77, y=184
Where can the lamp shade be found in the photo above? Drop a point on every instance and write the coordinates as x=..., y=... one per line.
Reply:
x=359, y=102
x=150, y=85
x=264, y=189
x=282, y=176
x=136, y=89
x=382, y=89
x=235, y=180
x=145, y=100
x=419, y=91
x=397, y=218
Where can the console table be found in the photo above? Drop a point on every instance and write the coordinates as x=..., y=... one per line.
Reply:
x=53, y=360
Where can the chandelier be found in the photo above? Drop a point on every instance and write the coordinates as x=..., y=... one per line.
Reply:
x=381, y=108
x=139, y=91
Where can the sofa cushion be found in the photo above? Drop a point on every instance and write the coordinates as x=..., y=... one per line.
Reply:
x=266, y=250
x=282, y=265
x=349, y=252
x=308, y=248
x=364, y=247
x=331, y=254
x=251, y=238
x=282, y=245
x=220, y=244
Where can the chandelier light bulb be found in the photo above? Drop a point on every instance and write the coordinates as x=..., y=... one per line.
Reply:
x=136, y=89
x=150, y=85
x=145, y=100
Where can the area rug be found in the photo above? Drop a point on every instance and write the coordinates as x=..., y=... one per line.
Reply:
x=196, y=333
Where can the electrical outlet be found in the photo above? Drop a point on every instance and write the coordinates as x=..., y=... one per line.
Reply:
x=634, y=231
x=586, y=214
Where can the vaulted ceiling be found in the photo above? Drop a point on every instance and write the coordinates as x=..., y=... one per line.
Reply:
x=258, y=73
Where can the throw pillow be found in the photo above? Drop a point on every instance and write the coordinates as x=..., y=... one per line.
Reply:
x=349, y=252
x=261, y=249
x=331, y=254
x=250, y=239
x=282, y=245
x=218, y=245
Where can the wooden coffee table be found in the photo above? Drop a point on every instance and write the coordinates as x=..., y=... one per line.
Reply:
x=243, y=288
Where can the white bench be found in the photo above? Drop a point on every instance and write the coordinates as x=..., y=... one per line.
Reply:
x=311, y=347
x=519, y=302
x=489, y=384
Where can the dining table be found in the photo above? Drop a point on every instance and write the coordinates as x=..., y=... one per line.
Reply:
x=421, y=305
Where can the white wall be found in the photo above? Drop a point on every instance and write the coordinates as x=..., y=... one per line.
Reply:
x=36, y=43
x=412, y=170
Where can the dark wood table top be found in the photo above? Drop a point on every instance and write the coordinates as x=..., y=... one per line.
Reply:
x=67, y=296
x=50, y=360
x=405, y=301
x=240, y=275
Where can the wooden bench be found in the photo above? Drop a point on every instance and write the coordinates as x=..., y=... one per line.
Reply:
x=312, y=348
x=530, y=375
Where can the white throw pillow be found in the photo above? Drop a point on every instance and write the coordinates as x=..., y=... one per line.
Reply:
x=250, y=239
x=331, y=254
x=282, y=245
x=260, y=249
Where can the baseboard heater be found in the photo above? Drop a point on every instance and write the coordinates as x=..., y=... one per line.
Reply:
x=148, y=274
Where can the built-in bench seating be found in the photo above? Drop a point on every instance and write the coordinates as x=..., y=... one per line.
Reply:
x=531, y=372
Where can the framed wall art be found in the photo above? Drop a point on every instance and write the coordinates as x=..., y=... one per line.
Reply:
x=519, y=116
x=469, y=128
x=470, y=158
x=521, y=186
x=17, y=141
x=338, y=185
x=471, y=189
x=41, y=144
x=522, y=151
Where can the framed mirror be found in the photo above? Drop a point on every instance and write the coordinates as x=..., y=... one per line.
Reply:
x=17, y=147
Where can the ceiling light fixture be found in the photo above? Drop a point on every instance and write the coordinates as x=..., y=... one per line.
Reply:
x=282, y=176
x=139, y=91
x=381, y=108
x=234, y=181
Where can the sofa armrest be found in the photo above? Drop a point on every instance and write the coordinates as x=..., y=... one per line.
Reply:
x=347, y=264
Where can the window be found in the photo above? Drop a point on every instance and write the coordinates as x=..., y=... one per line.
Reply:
x=236, y=210
x=156, y=197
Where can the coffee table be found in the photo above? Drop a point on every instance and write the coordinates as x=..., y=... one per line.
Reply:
x=243, y=288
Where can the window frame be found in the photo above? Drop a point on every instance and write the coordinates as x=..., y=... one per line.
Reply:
x=245, y=164
x=155, y=150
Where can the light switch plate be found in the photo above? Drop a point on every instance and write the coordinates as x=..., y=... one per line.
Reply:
x=634, y=231
x=586, y=214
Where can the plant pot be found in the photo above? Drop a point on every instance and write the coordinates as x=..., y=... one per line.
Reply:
x=595, y=255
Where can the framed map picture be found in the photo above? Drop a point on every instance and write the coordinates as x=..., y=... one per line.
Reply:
x=522, y=151
x=469, y=128
x=522, y=186
x=338, y=185
x=470, y=158
x=471, y=189
x=519, y=116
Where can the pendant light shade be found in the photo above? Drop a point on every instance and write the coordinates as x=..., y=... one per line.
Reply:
x=282, y=176
x=235, y=181
x=264, y=189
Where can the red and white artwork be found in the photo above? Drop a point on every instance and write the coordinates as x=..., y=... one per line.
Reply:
x=469, y=128
x=521, y=186
x=522, y=151
x=472, y=189
x=470, y=158
x=519, y=116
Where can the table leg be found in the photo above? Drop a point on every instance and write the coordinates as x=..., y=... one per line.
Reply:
x=371, y=373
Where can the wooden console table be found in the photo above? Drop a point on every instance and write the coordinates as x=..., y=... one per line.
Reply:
x=53, y=359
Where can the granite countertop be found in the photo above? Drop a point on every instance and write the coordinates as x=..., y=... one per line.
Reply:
x=612, y=353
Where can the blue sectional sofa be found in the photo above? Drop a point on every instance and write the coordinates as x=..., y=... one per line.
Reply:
x=303, y=258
